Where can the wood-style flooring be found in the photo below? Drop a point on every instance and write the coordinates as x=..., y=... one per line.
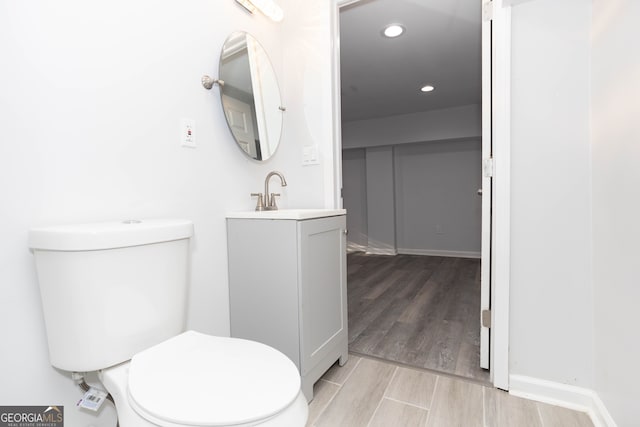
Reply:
x=373, y=393
x=422, y=311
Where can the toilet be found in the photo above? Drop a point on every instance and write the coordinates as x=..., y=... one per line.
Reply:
x=114, y=299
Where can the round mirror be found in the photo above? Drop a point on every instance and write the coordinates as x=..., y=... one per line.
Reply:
x=250, y=96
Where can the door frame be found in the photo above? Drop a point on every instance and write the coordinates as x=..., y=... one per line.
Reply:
x=486, y=190
x=501, y=195
x=501, y=200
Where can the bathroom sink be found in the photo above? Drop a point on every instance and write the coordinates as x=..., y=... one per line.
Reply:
x=297, y=214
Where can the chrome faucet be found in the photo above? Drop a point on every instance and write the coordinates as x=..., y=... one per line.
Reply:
x=268, y=203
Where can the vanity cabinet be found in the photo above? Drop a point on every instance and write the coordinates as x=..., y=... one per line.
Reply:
x=287, y=287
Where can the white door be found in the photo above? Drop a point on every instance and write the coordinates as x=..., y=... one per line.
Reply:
x=487, y=172
x=240, y=119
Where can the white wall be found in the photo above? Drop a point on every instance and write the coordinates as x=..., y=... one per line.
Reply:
x=615, y=110
x=92, y=96
x=306, y=85
x=551, y=324
x=437, y=206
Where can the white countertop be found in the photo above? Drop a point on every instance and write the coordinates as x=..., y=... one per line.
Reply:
x=297, y=214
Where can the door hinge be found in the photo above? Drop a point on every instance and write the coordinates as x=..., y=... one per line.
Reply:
x=486, y=318
x=487, y=167
x=487, y=11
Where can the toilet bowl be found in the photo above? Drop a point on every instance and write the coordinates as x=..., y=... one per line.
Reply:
x=114, y=301
x=195, y=379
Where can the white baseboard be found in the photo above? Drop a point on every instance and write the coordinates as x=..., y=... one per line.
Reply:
x=568, y=396
x=369, y=249
x=380, y=251
x=355, y=247
x=436, y=252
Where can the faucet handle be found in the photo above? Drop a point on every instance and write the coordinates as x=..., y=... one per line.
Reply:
x=260, y=204
x=272, y=202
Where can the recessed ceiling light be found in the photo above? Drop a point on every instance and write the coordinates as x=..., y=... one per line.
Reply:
x=427, y=88
x=393, y=30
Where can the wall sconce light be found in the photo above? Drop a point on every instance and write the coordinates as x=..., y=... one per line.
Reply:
x=267, y=7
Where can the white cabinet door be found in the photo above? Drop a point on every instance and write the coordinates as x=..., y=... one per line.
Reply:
x=322, y=270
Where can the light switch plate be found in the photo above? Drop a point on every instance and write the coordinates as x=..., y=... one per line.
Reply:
x=310, y=155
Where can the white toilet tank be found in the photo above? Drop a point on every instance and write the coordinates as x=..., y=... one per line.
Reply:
x=112, y=289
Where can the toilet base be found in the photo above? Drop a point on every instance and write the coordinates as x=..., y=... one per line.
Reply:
x=115, y=380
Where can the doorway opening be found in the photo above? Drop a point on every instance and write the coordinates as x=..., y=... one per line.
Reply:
x=412, y=174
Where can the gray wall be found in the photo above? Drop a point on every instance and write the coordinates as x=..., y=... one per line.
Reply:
x=463, y=122
x=430, y=197
x=381, y=207
x=437, y=206
x=354, y=190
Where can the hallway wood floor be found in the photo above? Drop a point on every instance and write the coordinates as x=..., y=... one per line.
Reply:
x=421, y=311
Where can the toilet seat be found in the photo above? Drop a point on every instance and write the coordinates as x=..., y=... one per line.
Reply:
x=200, y=380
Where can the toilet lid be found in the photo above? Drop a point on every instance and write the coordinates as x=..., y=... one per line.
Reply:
x=201, y=380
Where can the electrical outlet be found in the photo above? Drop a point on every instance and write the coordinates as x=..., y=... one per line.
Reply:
x=439, y=229
x=188, y=133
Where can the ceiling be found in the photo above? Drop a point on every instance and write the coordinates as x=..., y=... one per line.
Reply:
x=440, y=46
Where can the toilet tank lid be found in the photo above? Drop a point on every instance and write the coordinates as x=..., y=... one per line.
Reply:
x=108, y=235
